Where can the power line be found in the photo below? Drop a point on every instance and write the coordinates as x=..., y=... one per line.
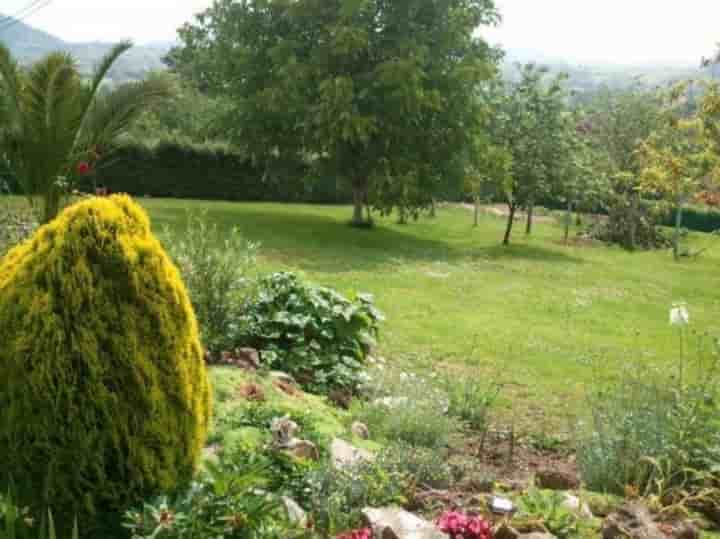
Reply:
x=29, y=10
x=4, y=19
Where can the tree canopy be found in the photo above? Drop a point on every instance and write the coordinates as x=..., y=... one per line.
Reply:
x=378, y=93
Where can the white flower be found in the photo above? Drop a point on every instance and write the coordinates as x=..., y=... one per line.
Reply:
x=679, y=315
x=403, y=376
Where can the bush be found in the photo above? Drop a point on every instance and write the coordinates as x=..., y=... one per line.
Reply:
x=104, y=396
x=176, y=169
x=228, y=500
x=311, y=332
x=470, y=399
x=651, y=431
x=697, y=218
x=406, y=408
x=216, y=268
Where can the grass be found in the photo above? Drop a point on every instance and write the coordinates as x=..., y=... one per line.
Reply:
x=534, y=315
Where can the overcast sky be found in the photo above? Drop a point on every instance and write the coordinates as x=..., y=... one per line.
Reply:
x=614, y=31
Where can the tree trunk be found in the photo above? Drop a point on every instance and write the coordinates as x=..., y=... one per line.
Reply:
x=634, y=203
x=358, y=202
x=477, y=211
x=403, y=216
x=433, y=210
x=508, y=230
x=678, y=225
x=568, y=219
x=530, y=210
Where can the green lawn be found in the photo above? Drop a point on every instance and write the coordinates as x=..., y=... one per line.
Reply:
x=534, y=315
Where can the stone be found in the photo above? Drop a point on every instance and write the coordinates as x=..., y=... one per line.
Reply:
x=396, y=523
x=574, y=504
x=283, y=431
x=343, y=454
x=302, y=449
x=283, y=377
x=360, y=430
x=504, y=531
x=296, y=514
x=537, y=535
x=631, y=521
x=555, y=480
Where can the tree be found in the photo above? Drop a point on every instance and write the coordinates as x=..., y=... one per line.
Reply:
x=51, y=120
x=527, y=120
x=377, y=93
x=488, y=165
x=619, y=121
x=676, y=159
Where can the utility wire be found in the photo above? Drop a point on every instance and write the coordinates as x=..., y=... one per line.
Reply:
x=29, y=10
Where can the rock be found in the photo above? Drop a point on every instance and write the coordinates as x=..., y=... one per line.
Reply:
x=283, y=377
x=396, y=523
x=555, y=480
x=247, y=358
x=295, y=513
x=504, y=531
x=537, y=535
x=360, y=430
x=573, y=503
x=302, y=449
x=681, y=530
x=283, y=431
x=343, y=454
x=631, y=521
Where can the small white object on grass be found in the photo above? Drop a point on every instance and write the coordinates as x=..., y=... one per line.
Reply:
x=679, y=315
x=501, y=506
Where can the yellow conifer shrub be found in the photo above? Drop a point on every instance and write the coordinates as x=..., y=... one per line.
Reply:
x=104, y=396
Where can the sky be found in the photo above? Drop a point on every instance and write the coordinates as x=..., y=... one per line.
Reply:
x=585, y=31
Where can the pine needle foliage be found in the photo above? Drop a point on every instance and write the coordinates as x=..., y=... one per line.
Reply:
x=104, y=397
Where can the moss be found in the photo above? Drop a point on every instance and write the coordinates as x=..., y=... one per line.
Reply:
x=104, y=396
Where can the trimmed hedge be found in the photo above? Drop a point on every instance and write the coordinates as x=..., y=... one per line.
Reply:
x=104, y=396
x=697, y=218
x=177, y=170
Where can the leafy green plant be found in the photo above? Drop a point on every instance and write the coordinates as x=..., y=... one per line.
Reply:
x=653, y=429
x=470, y=399
x=216, y=267
x=425, y=468
x=547, y=505
x=311, y=332
x=229, y=500
x=338, y=495
x=19, y=523
x=407, y=408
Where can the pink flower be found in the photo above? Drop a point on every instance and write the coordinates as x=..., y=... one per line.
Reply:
x=364, y=533
x=460, y=526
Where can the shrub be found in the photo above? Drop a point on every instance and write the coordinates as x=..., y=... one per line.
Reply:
x=651, y=430
x=228, y=500
x=311, y=332
x=176, y=169
x=426, y=468
x=103, y=391
x=406, y=408
x=215, y=267
x=337, y=496
x=470, y=398
x=547, y=505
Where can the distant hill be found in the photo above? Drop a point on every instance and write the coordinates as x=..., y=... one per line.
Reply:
x=29, y=44
x=590, y=77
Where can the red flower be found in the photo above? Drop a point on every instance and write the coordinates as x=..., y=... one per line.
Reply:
x=83, y=168
x=365, y=533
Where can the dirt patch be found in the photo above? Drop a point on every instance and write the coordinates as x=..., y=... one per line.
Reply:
x=501, y=210
x=252, y=392
x=516, y=462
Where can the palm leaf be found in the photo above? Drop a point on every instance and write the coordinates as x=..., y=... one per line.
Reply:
x=112, y=114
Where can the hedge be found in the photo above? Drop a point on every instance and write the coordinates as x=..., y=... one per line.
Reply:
x=177, y=170
x=697, y=218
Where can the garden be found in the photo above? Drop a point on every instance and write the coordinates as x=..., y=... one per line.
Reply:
x=310, y=313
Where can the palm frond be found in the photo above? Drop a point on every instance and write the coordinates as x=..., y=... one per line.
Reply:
x=10, y=86
x=101, y=71
x=112, y=114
